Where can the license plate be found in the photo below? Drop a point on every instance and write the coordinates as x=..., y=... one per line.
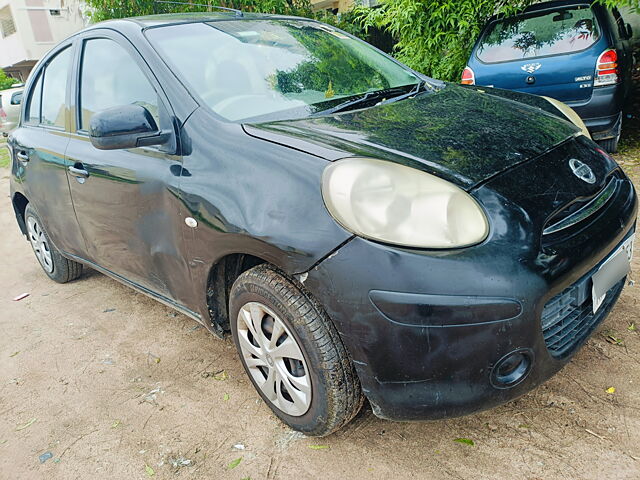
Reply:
x=611, y=272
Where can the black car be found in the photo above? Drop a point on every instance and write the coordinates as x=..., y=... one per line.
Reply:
x=361, y=230
x=576, y=51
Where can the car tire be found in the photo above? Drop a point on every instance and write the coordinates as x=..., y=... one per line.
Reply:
x=610, y=145
x=319, y=371
x=57, y=267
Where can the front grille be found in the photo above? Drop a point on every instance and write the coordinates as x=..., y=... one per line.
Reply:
x=568, y=318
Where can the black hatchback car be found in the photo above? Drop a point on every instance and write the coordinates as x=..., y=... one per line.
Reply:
x=361, y=230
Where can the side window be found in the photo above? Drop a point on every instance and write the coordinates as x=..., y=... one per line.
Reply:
x=54, y=89
x=16, y=98
x=103, y=86
x=32, y=114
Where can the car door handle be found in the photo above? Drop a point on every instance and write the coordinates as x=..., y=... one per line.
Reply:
x=22, y=156
x=78, y=172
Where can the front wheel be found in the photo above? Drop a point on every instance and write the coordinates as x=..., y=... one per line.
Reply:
x=292, y=353
x=58, y=268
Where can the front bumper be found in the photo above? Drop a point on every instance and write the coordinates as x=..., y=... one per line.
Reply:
x=426, y=330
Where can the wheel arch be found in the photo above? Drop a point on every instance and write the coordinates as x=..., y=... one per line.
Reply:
x=220, y=279
x=20, y=202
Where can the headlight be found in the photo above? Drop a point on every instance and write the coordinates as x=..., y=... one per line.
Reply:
x=400, y=205
x=570, y=114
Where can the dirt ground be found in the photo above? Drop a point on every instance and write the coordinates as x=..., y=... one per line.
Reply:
x=111, y=384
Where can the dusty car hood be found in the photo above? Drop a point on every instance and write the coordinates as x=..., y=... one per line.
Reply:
x=462, y=134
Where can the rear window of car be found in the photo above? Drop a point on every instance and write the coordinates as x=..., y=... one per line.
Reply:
x=539, y=34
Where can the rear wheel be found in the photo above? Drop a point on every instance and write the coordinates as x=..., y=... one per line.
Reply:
x=610, y=144
x=58, y=268
x=292, y=353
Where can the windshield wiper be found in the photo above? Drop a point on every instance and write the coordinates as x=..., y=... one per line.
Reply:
x=367, y=96
x=414, y=91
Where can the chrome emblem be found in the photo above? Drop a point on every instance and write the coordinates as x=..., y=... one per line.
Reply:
x=582, y=171
x=531, y=67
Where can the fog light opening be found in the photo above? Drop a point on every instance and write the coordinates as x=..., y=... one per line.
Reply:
x=512, y=369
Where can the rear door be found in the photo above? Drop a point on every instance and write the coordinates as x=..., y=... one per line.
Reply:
x=39, y=146
x=551, y=52
x=126, y=201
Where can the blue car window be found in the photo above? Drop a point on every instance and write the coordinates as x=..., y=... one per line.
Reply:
x=540, y=34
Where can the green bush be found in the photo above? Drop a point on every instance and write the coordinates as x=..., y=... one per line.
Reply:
x=6, y=82
x=107, y=9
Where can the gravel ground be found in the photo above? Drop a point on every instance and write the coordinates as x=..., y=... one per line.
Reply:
x=98, y=381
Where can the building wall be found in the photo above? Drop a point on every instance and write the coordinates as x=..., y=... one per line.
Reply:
x=37, y=31
x=339, y=5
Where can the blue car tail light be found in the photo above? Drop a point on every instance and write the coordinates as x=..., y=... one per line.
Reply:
x=607, y=71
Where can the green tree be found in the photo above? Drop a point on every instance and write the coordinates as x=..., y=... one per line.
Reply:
x=5, y=81
x=436, y=36
x=109, y=9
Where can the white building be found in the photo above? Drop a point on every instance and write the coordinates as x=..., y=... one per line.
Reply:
x=30, y=28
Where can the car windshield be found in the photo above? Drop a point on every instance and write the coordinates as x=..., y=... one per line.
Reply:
x=274, y=69
x=550, y=32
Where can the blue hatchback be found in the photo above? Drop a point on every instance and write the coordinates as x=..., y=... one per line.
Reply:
x=574, y=51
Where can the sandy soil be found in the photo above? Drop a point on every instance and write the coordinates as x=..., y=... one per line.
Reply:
x=115, y=385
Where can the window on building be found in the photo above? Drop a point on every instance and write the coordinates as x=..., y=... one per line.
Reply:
x=7, y=27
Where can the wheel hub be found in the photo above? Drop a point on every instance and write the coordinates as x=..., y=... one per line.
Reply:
x=274, y=359
x=39, y=243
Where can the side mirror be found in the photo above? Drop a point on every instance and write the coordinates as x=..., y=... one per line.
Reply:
x=629, y=31
x=16, y=98
x=126, y=126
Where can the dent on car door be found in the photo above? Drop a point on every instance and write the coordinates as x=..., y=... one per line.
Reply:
x=39, y=147
x=126, y=200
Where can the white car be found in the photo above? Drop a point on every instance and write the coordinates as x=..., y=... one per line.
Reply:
x=10, y=106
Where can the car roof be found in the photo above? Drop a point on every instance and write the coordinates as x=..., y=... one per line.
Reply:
x=544, y=6
x=558, y=3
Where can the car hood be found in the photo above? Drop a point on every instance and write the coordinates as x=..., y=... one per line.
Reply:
x=464, y=135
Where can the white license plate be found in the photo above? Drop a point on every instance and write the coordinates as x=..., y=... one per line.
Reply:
x=611, y=272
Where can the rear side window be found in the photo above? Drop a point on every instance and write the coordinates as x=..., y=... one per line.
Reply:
x=103, y=86
x=54, y=89
x=32, y=114
x=539, y=34
x=16, y=98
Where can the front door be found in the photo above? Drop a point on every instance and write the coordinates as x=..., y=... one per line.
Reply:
x=126, y=201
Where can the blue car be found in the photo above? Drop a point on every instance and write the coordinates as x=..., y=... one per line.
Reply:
x=577, y=52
